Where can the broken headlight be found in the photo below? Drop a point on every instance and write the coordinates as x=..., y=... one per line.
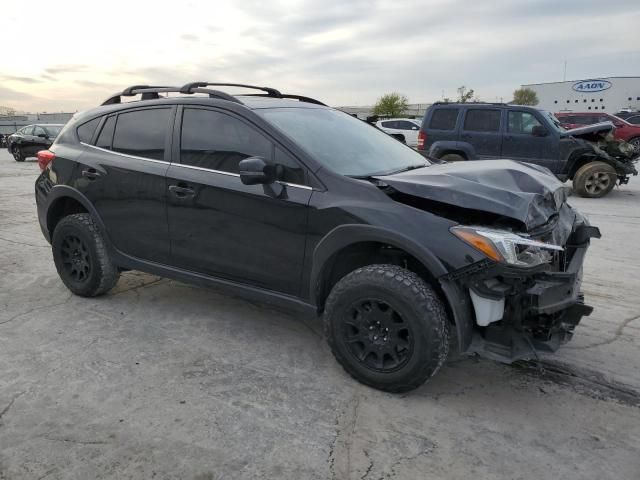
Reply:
x=507, y=247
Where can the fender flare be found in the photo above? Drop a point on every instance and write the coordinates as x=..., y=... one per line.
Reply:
x=59, y=192
x=349, y=234
x=438, y=148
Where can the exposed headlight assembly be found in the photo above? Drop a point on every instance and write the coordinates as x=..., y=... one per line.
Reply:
x=507, y=247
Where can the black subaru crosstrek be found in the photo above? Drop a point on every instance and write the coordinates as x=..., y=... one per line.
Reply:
x=285, y=200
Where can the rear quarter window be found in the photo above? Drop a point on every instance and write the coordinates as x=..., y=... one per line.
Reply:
x=444, y=119
x=86, y=130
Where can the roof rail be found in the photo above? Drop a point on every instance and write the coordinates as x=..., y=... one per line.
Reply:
x=471, y=103
x=151, y=92
x=189, y=86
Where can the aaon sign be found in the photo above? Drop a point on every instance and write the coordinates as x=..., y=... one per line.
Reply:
x=588, y=86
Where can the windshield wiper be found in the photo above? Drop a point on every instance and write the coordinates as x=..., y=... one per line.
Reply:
x=404, y=169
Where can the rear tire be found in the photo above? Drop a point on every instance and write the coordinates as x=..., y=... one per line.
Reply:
x=387, y=327
x=17, y=154
x=81, y=256
x=452, y=157
x=594, y=180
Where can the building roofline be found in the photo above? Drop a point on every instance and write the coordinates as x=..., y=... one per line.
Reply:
x=581, y=80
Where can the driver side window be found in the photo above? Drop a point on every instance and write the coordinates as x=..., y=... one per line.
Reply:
x=522, y=122
x=217, y=141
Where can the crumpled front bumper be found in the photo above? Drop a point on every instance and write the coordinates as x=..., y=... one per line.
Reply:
x=520, y=311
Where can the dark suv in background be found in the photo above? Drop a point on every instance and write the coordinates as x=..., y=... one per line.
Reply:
x=280, y=198
x=29, y=140
x=478, y=131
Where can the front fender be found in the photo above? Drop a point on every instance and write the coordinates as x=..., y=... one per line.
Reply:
x=345, y=235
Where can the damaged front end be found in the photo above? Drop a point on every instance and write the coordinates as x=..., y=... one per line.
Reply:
x=522, y=295
x=532, y=301
x=597, y=142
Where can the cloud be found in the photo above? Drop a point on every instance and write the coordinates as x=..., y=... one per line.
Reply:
x=340, y=52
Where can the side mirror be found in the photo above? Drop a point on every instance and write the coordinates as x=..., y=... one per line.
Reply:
x=254, y=171
x=539, y=131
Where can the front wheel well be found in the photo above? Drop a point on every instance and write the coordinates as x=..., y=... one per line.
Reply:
x=61, y=208
x=578, y=163
x=362, y=254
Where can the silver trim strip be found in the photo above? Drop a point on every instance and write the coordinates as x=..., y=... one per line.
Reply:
x=127, y=155
x=193, y=167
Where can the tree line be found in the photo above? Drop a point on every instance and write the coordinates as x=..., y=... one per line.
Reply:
x=396, y=104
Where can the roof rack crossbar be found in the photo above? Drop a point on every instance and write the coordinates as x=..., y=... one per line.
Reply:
x=151, y=92
x=189, y=86
x=301, y=98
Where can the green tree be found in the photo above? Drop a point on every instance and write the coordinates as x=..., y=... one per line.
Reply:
x=465, y=95
x=392, y=104
x=525, y=96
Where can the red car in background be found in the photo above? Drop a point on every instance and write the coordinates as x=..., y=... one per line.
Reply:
x=624, y=130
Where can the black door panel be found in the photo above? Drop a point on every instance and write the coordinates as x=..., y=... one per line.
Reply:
x=130, y=197
x=247, y=233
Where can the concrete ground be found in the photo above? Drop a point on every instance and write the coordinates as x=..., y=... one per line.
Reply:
x=163, y=380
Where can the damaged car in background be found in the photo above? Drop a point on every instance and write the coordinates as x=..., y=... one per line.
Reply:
x=589, y=156
x=282, y=199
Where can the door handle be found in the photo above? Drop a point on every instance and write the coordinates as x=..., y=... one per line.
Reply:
x=91, y=173
x=181, y=192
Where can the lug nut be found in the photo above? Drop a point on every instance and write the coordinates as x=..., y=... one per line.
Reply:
x=375, y=337
x=371, y=327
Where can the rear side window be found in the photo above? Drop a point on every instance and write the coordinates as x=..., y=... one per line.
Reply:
x=106, y=134
x=444, y=119
x=482, y=120
x=406, y=125
x=142, y=133
x=86, y=130
x=389, y=124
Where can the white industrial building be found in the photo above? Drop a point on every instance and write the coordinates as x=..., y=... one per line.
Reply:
x=604, y=94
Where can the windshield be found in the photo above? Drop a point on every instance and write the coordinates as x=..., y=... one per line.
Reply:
x=554, y=121
x=342, y=143
x=52, y=131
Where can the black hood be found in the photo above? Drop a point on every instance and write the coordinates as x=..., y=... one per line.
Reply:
x=524, y=192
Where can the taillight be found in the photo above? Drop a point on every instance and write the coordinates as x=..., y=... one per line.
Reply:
x=421, y=139
x=45, y=157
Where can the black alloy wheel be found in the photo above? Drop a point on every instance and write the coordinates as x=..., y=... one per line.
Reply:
x=377, y=336
x=76, y=259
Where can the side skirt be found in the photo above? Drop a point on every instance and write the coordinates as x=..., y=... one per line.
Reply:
x=248, y=292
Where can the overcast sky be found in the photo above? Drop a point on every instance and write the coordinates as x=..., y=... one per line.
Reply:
x=61, y=55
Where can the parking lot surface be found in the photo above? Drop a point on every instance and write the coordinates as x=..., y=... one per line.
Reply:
x=163, y=380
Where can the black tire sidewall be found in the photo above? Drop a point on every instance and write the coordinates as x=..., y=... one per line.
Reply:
x=70, y=225
x=423, y=324
x=17, y=154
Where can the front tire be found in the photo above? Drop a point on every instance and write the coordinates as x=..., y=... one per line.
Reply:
x=17, y=154
x=594, y=180
x=387, y=327
x=81, y=257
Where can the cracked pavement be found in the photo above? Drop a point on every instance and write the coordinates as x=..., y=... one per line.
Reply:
x=163, y=380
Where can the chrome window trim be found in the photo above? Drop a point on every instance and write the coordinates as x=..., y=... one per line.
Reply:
x=193, y=167
x=126, y=154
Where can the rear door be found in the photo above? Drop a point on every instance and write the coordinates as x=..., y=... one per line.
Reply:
x=123, y=175
x=251, y=234
x=481, y=129
x=520, y=144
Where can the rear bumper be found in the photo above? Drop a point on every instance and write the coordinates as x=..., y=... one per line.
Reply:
x=520, y=311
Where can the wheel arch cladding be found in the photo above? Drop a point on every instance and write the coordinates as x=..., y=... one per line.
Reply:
x=352, y=246
x=64, y=200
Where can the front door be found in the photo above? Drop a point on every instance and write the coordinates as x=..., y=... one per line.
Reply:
x=218, y=226
x=520, y=144
x=481, y=129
